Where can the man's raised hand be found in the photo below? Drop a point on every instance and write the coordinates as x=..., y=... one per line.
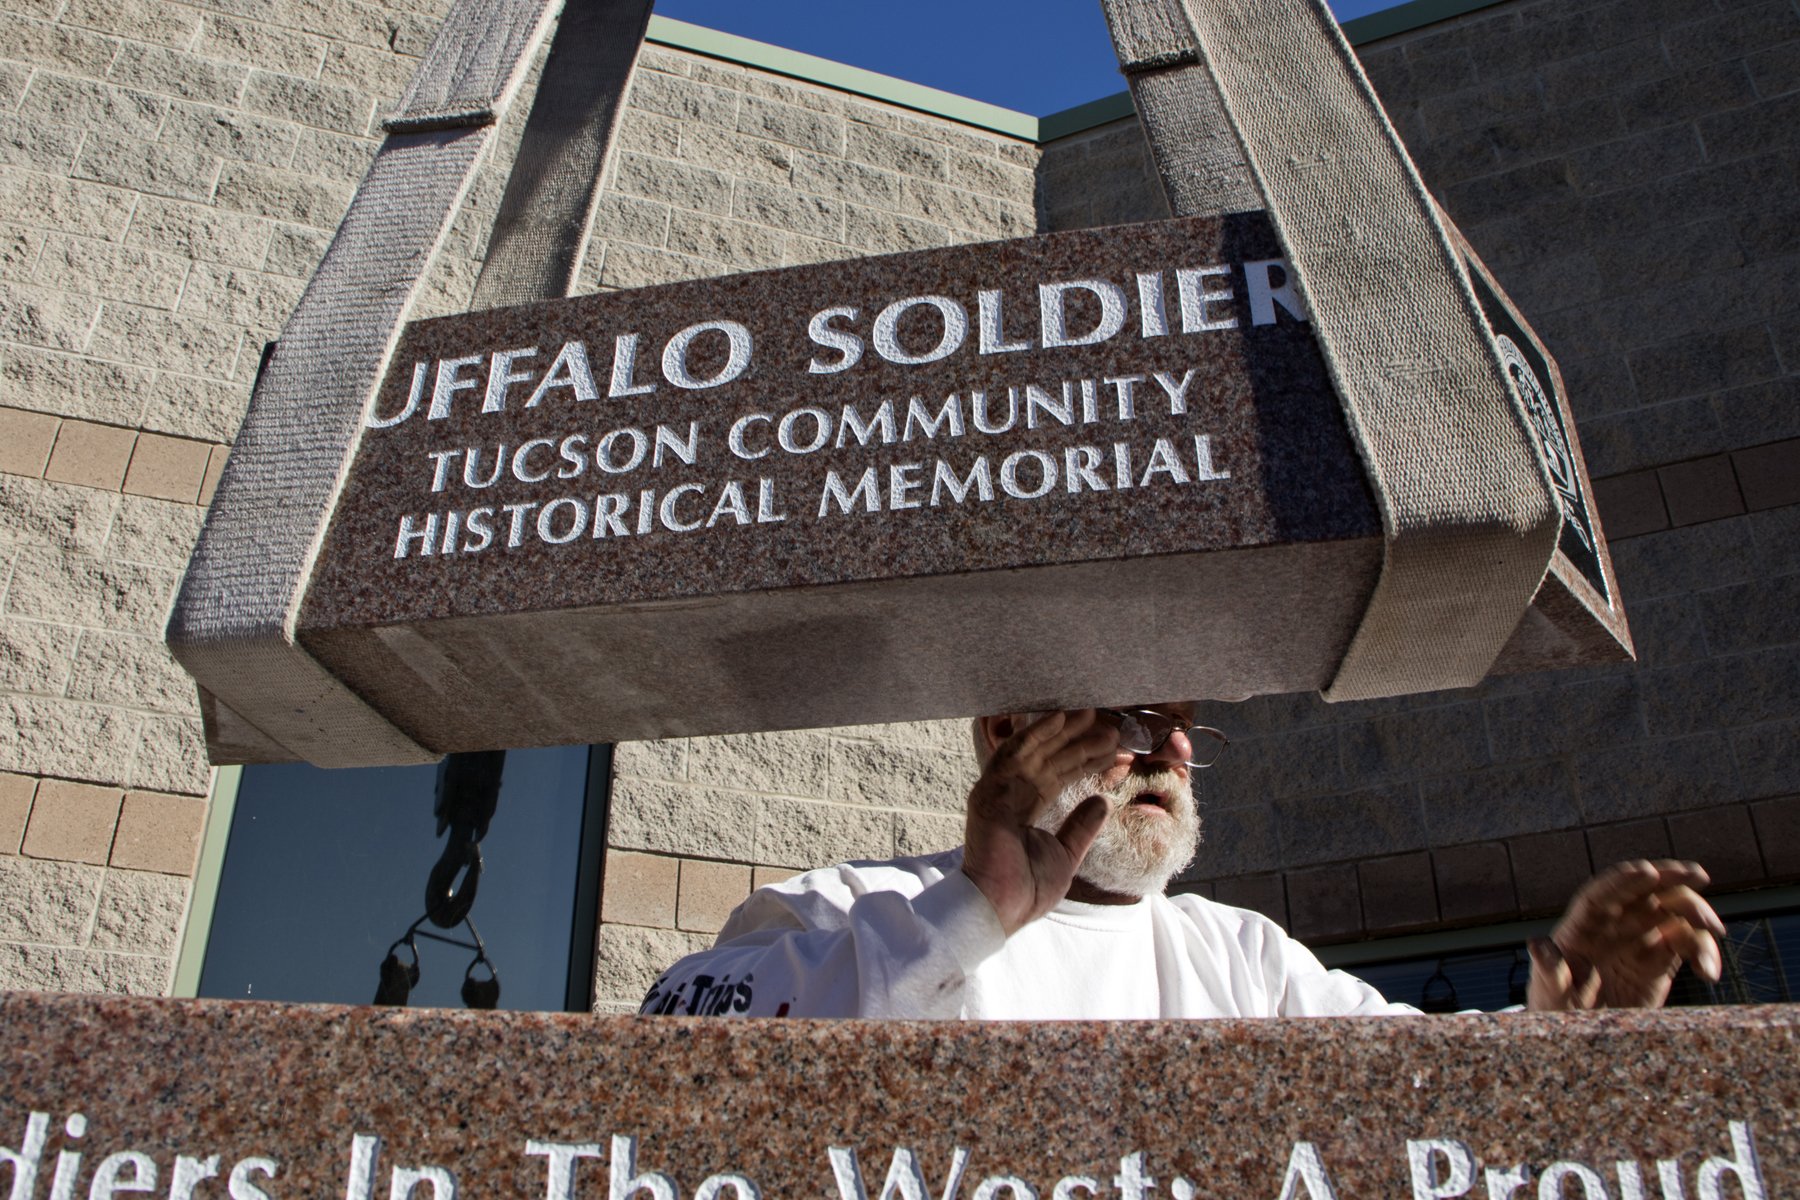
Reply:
x=1021, y=869
x=1626, y=934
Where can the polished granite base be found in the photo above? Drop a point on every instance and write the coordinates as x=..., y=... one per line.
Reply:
x=207, y=1100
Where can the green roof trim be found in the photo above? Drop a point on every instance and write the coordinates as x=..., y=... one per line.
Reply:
x=1083, y=117
x=1404, y=18
x=728, y=46
x=681, y=35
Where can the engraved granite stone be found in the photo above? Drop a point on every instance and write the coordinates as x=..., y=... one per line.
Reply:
x=923, y=485
x=203, y=1100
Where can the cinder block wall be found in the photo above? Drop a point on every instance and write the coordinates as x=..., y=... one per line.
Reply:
x=169, y=175
x=1629, y=171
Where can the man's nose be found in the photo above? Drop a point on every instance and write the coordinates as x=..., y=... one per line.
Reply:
x=1176, y=751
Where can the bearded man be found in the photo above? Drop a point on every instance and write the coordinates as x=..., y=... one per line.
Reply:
x=1053, y=908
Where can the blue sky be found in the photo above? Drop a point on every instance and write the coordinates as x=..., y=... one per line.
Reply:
x=1034, y=56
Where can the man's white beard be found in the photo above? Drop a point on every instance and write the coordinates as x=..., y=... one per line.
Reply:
x=1138, y=851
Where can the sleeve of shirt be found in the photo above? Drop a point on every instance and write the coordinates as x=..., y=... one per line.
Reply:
x=879, y=953
x=1310, y=990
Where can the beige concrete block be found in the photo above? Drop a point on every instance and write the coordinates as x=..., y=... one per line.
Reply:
x=35, y=656
x=132, y=671
x=977, y=216
x=897, y=152
x=206, y=410
x=322, y=105
x=646, y=133
x=366, y=69
x=917, y=833
x=15, y=808
x=246, y=297
x=640, y=889
x=159, y=832
x=146, y=166
x=682, y=99
x=229, y=133
x=282, y=195
x=73, y=587
x=116, y=272
x=57, y=46
x=628, y=266
x=676, y=184
x=295, y=250
x=66, y=204
x=72, y=386
x=44, y=735
x=709, y=891
x=668, y=61
x=48, y=902
x=879, y=232
x=737, y=244
x=25, y=441
x=140, y=912
x=215, y=467
x=43, y=317
x=891, y=775
x=991, y=176
x=144, y=20
x=60, y=969
x=19, y=252
x=155, y=533
x=61, y=100
x=671, y=818
x=154, y=338
x=167, y=468
x=628, y=959
x=737, y=155
x=72, y=822
x=173, y=73
x=171, y=755
x=629, y=219
x=792, y=124
x=54, y=516
x=787, y=210
x=807, y=834
x=90, y=455
x=256, y=44
x=665, y=759
x=804, y=251
x=199, y=232
x=789, y=763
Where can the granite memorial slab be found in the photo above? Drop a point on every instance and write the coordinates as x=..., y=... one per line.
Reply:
x=111, y=1097
x=1263, y=447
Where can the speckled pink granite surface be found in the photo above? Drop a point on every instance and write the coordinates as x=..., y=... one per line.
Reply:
x=1214, y=1109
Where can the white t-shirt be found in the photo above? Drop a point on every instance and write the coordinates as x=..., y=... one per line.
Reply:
x=914, y=938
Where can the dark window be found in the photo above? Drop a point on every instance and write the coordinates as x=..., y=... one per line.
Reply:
x=1762, y=966
x=325, y=869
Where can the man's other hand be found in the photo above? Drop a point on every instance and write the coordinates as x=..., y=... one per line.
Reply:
x=1626, y=934
x=1025, y=871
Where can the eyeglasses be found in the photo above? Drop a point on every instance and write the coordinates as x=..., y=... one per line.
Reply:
x=1145, y=731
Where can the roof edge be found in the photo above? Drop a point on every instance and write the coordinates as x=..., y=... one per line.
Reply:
x=810, y=68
